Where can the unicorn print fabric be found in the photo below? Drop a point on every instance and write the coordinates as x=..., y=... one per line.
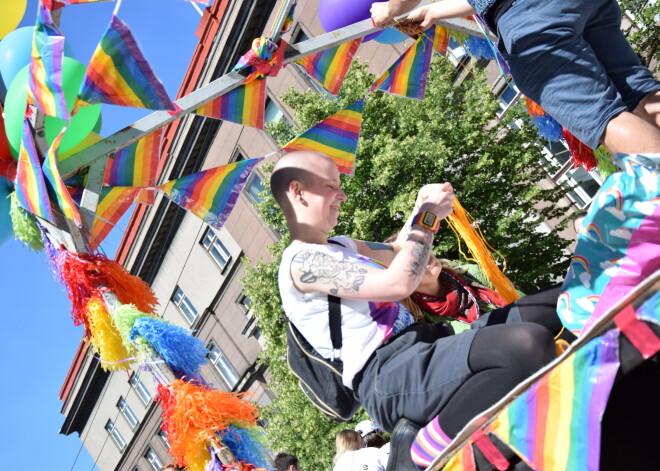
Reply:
x=619, y=243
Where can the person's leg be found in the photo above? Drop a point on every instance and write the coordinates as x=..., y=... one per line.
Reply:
x=628, y=133
x=649, y=108
x=500, y=357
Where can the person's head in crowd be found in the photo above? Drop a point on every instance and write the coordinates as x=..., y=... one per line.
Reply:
x=348, y=440
x=370, y=433
x=578, y=219
x=286, y=462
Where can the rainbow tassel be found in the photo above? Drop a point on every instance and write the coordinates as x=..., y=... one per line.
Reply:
x=192, y=415
x=25, y=226
x=247, y=445
x=462, y=223
x=180, y=350
x=125, y=317
x=547, y=126
x=105, y=338
x=579, y=152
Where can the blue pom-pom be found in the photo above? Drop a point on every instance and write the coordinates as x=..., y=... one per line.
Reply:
x=180, y=350
x=548, y=127
x=479, y=47
x=246, y=444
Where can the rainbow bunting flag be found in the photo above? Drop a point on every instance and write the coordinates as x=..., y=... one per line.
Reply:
x=243, y=105
x=136, y=165
x=463, y=460
x=329, y=67
x=211, y=194
x=30, y=183
x=407, y=76
x=441, y=40
x=336, y=136
x=113, y=204
x=52, y=175
x=119, y=74
x=556, y=423
x=45, y=76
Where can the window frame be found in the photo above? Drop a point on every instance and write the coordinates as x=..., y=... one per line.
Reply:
x=115, y=435
x=139, y=387
x=217, y=244
x=127, y=412
x=191, y=316
x=212, y=347
x=150, y=455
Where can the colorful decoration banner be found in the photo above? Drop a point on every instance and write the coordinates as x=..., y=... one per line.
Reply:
x=407, y=76
x=264, y=59
x=211, y=194
x=30, y=183
x=243, y=105
x=112, y=205
x=336, y=136
x=329, y=67
x=441, y=40
x=52, y=175
x=136, y=165
x=45, y=77
x=556, y=423
x=119, y=74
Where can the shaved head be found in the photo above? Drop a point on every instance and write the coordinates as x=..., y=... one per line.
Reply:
x=303, y=167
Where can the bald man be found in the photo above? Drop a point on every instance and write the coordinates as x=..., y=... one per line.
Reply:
x=395, y=368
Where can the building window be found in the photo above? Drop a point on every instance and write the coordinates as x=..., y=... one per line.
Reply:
x=140, y=389
x=219, y=361
x=254, y=185
x=185, y=306
x=216, y=248
x=154, y=461
x=115, y=435
x=163, y=436
x=455, y=52
x=507, y=97
x=272, y=112
x=251, y=327
x=127, y=412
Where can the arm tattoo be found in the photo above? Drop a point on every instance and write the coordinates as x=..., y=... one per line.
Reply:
x=379, y=246
x=317, y=266
x=420, y=251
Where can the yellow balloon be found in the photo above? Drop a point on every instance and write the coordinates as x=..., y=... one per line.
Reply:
x=11, y=14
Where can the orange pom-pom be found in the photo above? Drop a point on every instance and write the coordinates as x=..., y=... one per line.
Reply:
x=192, y=415
x=533, y=108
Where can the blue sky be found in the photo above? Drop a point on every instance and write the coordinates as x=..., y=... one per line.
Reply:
x=38, y=339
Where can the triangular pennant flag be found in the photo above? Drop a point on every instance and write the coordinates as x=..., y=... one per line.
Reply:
x=136, y=165
x=30, y=183
x=211, y=194
x=329, y=67
x=243, y=105
x=73, y=2
x=407, y=76
x=52, y=174
x=285, y=21
x=336, y=136
x=113, y=204
x=441, y=40
x=45, y=76
x=119, y=74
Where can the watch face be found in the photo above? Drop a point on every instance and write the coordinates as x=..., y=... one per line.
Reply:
x=429, y=219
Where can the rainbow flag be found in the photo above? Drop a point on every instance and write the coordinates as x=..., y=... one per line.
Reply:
x=329, y=67
x=30, y=183
x=463, y=460
x=136, y=165
x=119, y=74
x=407, y=76
x=441, y=40
x=45, y=76
x=243, y=105
x=556, y=423
x=336, y=136
x=113, y=204
x=52, y=175
x=211, y=194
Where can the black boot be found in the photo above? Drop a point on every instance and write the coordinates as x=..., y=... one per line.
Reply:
x=403, y=436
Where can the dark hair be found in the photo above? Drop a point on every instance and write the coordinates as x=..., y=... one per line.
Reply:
x=374, y=439
x=284, y=460
x=280, y=180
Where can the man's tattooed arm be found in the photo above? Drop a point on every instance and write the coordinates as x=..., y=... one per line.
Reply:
x=316, y=267
x=420, y=248
x=379, y=246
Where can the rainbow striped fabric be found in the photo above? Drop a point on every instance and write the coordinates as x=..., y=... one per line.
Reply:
x=243, y=105
x=329, y=67
x=336, y=136
x=52, y=175
x=556, y=423
x=441, y=40
x=30, y=183
x=113, y=204
x=119, y=74
x=45, y=76
x=136, y=165
x=407, y=76
x=463, y=460
x=211, y=194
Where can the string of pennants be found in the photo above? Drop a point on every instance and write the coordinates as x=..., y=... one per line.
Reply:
x=128, y=331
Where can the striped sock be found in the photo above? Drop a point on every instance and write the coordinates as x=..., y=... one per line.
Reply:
x=430, y=442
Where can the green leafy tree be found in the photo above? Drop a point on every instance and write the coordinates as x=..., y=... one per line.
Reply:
x=453, y=135
x=644, y=30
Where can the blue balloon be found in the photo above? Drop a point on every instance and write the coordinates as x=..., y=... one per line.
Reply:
x=15, y=52
x=6, y=232
x=390, y=36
